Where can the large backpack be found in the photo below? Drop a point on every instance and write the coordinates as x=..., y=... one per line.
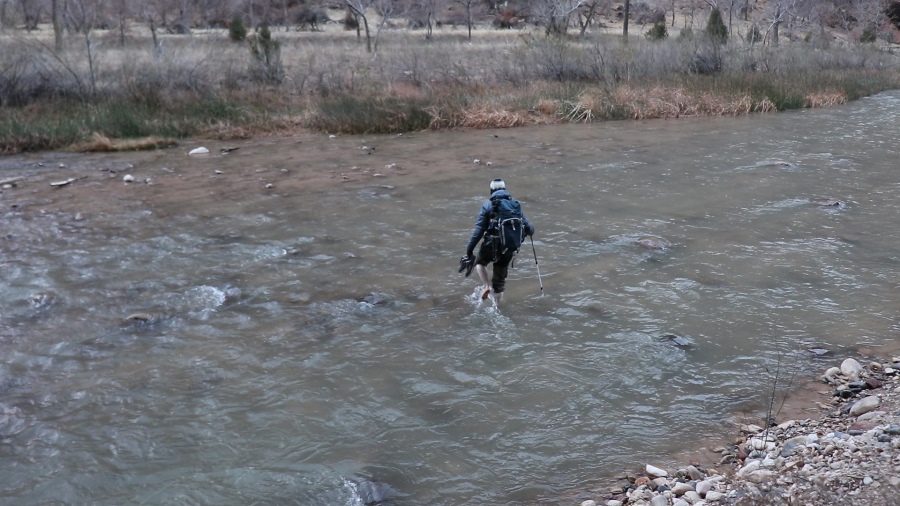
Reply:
x=509, y=223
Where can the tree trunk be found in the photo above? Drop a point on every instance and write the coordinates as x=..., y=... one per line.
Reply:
x=368, y=35
x=57, y=25
x=730, y=10
x=625, y=27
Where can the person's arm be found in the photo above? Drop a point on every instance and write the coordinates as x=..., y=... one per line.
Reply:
x=480, y=226
x=529, y=228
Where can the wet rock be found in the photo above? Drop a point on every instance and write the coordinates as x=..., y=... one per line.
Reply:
x=653, y=243
x=831, y=203
x=374, y=493
x=679, y=341
x=142, y=319
x=41, y=300
x=373, y=298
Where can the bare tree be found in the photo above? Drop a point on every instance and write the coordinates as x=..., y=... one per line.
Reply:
x=556, y=14
x=588, y=11
x=780, y=10
x=627, y=14
x=358, y=9
x=469, y=6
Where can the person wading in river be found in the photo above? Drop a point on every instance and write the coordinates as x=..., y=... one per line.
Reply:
x=503, y=226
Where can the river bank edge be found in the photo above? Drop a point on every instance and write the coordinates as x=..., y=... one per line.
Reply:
x=847, y=450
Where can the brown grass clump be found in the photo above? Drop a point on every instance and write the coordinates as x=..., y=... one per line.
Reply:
x=826, y=99
x=765, y=105
x=653, y=103
x=102, y=144
x=488, y=117
x=547, y=107
x=586, y=109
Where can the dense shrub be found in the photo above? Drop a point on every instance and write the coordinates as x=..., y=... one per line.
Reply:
x=715, y=27
x=237, y=32
x=267, y=66
x=658, y=31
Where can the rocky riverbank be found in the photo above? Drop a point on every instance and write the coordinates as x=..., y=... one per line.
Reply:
x=850, y=454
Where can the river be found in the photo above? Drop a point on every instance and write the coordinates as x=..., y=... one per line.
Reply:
x=314, y=344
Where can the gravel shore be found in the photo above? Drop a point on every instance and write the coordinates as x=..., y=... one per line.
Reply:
x=848, y=454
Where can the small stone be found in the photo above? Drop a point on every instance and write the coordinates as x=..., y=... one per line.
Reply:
x=694, y=473
x=589, y=503
x=873, y=383
x=680, y=489
x=831, y=373
x=703, y=487
x=199, y=151
x=714, y=496
x=868, y=480
x=659, y=500
x=851, y=368
x=655, y=471
x=692, y=497
x=128, y=178
x=270, y=186
x=864, y=405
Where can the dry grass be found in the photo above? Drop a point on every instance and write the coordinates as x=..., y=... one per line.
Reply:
x=102, y=144
x=826, y=99
x=204, y=84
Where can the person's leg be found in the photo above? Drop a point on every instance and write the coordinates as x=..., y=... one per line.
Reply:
x=501, y=270
x=485, y=256
x=483, y=275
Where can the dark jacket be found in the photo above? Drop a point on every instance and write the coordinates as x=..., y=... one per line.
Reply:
x=484, y=218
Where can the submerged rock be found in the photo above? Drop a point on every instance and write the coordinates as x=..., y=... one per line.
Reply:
x=680, y=341
x=374, y=493
x=653, y=243
x=42, y=299
x=142, y=319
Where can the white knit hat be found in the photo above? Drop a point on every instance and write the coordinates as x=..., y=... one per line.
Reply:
x=498, y=184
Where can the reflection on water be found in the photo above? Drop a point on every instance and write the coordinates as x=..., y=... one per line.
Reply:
x=319, y=347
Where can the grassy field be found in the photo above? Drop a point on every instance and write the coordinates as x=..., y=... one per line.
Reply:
x=97, y=93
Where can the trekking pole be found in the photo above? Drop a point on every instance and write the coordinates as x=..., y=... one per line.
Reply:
x=536, y=265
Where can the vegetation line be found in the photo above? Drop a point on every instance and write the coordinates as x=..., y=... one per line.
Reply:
x=101, y=91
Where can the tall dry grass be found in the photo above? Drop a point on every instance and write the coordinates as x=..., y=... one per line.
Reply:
x=204, y=84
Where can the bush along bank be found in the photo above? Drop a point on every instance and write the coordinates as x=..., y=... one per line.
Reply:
x=213, y=88
x=849, y=455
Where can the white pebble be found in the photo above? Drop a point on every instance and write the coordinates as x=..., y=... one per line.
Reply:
x=655, y=471
x=128, y=178
x=199, y=151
